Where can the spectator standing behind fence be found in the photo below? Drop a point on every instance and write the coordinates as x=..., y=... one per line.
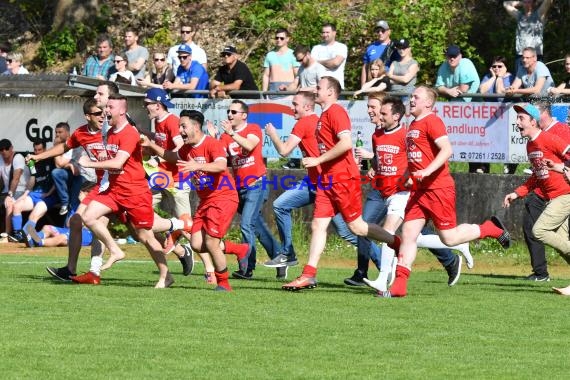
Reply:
x=377, y=79
x=310, y=71
x=100, y=65
x=232, y=75
x=330, y=53
x=187, y=33
x=160, y=72
x=190, y=74
x=533, y=78
x=280, y=66
x=122, y=75
x=15, y=66
x=382, y=48
x=455, y=77
x=4, y=48
x=564, y=87
x=404, y=72
x=135, y=54
x=530, y=25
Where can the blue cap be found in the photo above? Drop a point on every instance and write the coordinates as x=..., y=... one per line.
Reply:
x=452, y=51
x=529, y=109
x=184, y=49
x=160, y=96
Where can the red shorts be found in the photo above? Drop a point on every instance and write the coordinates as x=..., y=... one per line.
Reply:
x=91, y=195
x=437, y=205
x=214, y=217
x=343, y=197
x=138, y=208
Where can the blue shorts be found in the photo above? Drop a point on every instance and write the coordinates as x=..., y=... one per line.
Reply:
x=86, y=234
x=50, y=201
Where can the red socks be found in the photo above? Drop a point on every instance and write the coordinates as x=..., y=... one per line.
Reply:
x=489, y=229
x=222, y=278
x=400, y=287
x=240, y=250
x=309, y=271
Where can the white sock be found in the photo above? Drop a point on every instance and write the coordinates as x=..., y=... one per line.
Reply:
x=434, y=242
x=96, y=263
x=385, y=267
x=177, y=224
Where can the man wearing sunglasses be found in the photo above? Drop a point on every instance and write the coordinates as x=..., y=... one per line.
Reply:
x=382, y=48
x=232, y=75
x=190, y=74
x=187, y=33
x=280, y=66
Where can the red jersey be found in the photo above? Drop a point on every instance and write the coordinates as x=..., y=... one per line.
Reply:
x=130, y=180
x=166, y=132
x=92, y=143
x=389, y=147
x=247, y=166
x=305, y=129
x=420, y=141
x=552, y=184
x=334, y=121
x=562, y=131
x=209, y=186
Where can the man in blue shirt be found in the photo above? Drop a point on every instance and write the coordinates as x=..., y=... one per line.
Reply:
x=190, y=75
x=382, y=49
x=457, y=75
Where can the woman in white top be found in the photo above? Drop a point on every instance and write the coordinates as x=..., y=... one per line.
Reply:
x=404, y=73
x=122, y=75
x=14, y=63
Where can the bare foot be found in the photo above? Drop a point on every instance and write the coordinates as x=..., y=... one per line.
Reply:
x=563, y=291
x=112, y=260
x=166, y=283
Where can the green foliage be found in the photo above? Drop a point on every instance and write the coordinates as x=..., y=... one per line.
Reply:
x=162, y=35
x=57, y=46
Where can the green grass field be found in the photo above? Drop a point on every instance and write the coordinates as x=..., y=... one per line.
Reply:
x=491, y=325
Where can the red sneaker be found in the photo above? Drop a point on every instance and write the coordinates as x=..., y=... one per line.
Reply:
x=301, y=282
x=87, y=278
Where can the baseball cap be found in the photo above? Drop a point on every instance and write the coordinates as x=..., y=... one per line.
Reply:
x=529, y=109
x=229, y=49
x=184, y=49
x=402, y=44
x=382, y=24
x=452, y=51
x=160, y=96
x=5, y=144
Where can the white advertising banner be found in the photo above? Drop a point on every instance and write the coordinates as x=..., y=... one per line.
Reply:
x=479, y=132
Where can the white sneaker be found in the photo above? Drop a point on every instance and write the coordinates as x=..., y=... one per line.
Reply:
x=375, y=284
x=392, y=275
x=527, y=171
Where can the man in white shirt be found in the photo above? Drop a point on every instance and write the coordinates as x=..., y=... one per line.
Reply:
x=331, y=54
x=187, y=33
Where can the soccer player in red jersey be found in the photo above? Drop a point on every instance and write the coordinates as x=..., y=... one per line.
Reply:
x=545, y=150
x=433, y=194
x=204, y=158
x=128, y=190
x=243, y=143
x=339, y=188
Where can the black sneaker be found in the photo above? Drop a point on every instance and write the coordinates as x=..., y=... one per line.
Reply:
x=505, y=238
x=282, y=273
x=537, y=278
x=357, y=279
x=241, y=275
x=62, y=274
x=17, y=237
x=454, y=270
x=187, y=260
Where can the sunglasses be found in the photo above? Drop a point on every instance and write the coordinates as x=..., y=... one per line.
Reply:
x=96, y=113
x=279, y=38
x=159, y=59
x=226, y=54
x=497, y=66
x=4, y=149
x=183, y=57
x=233, y=112
x=9, y=61
x=381, y=30
x=119, y=60
x=301, y=59
x=185, y=31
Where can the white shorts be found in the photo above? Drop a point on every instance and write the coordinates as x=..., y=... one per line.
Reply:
x=396, y=203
